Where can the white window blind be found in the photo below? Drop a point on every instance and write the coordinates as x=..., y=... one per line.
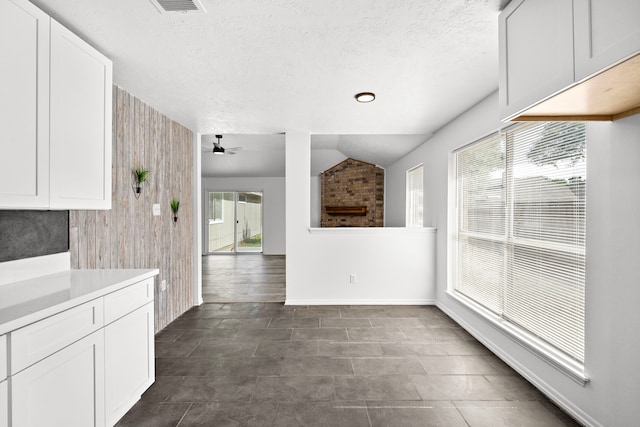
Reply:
x=521, y=229
x=414, y=197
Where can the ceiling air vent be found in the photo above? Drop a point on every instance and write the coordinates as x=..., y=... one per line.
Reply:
x=180, y=6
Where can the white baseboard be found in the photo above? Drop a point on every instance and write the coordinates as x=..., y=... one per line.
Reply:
x=523, y=370
x=29, y=268
x=359, y=302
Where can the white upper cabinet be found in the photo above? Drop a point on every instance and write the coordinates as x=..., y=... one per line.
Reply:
x=24, y=100
x=548, y=49
x=55, y=115
x=80, y=132
x=536, y=52
x=607, y=31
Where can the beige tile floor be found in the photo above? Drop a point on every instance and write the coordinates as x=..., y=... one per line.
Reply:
x=266, y=364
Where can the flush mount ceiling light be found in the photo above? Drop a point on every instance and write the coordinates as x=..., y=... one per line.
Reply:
x=365, y=97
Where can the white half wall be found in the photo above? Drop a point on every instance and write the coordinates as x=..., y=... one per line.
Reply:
x=273, y=198
x=391, y=265
x=612, y=292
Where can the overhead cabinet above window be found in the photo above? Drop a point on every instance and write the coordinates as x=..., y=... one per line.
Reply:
x=569, y=60
x=55, y=110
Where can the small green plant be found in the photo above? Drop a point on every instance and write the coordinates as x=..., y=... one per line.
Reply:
x=140, y=175
x=175, y=205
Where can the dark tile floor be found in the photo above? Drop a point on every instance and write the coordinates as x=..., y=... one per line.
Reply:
x=266, y=364
x=243, y=278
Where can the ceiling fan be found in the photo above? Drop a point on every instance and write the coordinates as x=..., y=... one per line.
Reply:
x=219, y=150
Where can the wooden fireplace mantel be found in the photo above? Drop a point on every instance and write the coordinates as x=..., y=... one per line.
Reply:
x=346, y=210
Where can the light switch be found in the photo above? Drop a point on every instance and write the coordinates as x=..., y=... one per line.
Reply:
x=156, y=209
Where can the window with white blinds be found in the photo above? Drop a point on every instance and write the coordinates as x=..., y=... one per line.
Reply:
x=414, y=197
x=521, y=229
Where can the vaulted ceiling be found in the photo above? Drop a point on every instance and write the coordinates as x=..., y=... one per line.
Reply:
x=265, y=66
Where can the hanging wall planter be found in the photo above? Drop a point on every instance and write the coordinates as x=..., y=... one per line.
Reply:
x=140, y=176
x=175, y=206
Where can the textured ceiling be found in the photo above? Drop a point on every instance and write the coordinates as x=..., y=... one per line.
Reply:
x=251, y=69
x=263, y=155
x=264, y=66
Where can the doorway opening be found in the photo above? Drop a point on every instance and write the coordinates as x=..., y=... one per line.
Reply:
x=234, y=222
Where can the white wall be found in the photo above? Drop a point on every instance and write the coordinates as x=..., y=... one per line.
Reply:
x=316, y=200
x=612, y=292
x=392, y=266
x=396, y=189
x=273, y=193
x=197, y=219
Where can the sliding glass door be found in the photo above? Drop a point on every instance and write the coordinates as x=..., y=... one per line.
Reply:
x=235, y=221
x=249, y=222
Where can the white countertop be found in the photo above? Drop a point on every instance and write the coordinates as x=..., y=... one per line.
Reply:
x=28, y=301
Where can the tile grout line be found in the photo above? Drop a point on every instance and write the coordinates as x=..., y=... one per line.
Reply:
x=194, y=349
x=184, y=415
x=366, y=408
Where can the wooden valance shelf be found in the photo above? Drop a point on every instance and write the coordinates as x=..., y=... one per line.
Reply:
x=611, y=95
x=346, y=210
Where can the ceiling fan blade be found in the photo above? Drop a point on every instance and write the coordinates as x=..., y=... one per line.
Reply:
x=234, y=148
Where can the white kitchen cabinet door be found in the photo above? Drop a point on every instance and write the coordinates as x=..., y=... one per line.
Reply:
x=80, y=123
x=24, y=105
x=129, y=361
x=4, y=404
x=64, y=390
x=3, y=357
x=536, y=52
x=38, y=340
x=606, y=32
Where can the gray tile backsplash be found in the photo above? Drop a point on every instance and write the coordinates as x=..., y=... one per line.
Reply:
x=26, y=234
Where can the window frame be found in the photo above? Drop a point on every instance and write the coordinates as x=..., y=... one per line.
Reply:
x=555, y=357
x=408, y=199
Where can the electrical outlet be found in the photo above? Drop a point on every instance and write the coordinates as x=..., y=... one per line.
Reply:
x=156, y=209
x=352, y=278
x=163, y=285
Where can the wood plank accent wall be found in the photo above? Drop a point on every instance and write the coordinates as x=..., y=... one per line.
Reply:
x=128, y=235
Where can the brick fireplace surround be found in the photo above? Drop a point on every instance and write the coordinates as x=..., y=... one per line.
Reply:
x=352, y=195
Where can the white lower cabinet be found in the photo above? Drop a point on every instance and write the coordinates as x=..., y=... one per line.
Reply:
x=83, y=366
x=3, y=357
x=64, y=389
x=129, y=361
x=41, y=339
x=4, y=388
x=4, y=404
